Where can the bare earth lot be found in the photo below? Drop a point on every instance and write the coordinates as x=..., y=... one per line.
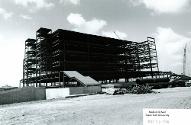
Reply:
x=94, y=109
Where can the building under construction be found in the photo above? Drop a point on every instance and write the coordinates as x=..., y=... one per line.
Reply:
x=67, y=58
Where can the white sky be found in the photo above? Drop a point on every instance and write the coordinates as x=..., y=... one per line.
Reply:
x=166, y=20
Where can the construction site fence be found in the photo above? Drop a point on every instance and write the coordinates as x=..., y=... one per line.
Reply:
x=26, y=94
x=53, y=93
x=22, y=95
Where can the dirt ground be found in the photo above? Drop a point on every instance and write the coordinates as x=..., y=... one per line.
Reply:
x=94, y=109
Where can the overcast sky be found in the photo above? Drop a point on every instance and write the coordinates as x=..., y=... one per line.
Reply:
x=166, y=20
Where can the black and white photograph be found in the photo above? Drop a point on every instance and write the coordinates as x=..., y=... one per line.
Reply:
x=95, y=62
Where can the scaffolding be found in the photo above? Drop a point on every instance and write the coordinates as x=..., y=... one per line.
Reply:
x=29, y=62
x=101, y=58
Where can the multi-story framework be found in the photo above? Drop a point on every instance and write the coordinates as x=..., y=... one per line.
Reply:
x=103, y=59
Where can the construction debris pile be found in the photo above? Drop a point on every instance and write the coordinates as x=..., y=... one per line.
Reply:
x=138, y=89
x=134, y=88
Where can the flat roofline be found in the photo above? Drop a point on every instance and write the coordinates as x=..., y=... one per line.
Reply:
x=92, y=35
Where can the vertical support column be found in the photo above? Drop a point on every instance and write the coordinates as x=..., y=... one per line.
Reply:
x=64, y=61
x=150, y=59
x=152, y=55
x=23, y=81
x=138, y=58
x=36, y=79
x=156, y=54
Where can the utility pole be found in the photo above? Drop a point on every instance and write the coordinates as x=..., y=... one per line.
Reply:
x=184, y=61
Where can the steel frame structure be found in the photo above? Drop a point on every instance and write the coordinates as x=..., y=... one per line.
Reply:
x=102, y=58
